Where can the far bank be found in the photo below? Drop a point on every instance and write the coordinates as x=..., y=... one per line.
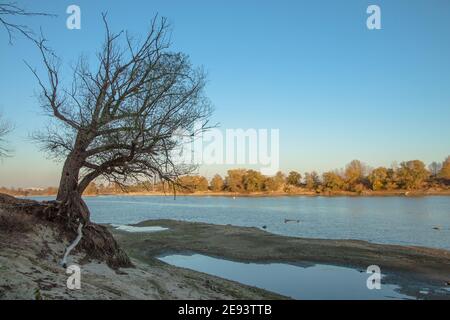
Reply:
x=367, y=193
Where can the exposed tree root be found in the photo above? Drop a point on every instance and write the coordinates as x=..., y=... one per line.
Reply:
x=72, y=245
x=96, y=242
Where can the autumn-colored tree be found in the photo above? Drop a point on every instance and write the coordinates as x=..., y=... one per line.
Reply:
x=391, y=181
x=312, y=180
x=192, y=183
x=217, y=183
x=332, y=181
x=355, y=172
x=445, y=170
x=185, y=183
x=234, y=180
x=115, y=187
x=91, y=189
x=253, y=181
x=378, y=178
x=280, y=178
x=270, y=184
x=294, y=178
x=51, y=190
x=201, y=183
x=412, y=174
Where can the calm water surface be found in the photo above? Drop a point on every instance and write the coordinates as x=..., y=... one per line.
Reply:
x=393, y=220
x=313, y=282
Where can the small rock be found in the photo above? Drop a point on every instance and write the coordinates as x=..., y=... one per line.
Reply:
x=264, y=227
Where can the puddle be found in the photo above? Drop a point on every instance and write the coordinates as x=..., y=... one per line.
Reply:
x=139, y=229
x=310, y=282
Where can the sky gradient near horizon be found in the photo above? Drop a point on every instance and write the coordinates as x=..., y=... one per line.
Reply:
x=335, y=90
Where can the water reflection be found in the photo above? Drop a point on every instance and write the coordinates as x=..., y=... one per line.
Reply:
x=299, y=282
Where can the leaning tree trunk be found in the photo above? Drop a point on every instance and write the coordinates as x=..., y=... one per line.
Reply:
x=69, y=196
x=96, y=241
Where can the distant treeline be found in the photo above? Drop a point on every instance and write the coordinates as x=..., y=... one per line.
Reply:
x=356, y=177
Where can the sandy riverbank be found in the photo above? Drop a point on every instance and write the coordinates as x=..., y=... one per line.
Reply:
x=411, y=268
x=29, y=269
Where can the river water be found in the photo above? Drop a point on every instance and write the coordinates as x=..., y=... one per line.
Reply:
x=423, y=221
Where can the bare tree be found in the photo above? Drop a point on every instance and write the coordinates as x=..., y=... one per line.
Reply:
x=9, y=10
x=434, y=168
x=120, y=120
x=5, y=128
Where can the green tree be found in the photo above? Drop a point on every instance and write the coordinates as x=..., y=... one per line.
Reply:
x=294, y=178
x=217, y=183
x=412, y=174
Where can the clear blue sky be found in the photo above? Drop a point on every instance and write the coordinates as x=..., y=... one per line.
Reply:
x=336, y=90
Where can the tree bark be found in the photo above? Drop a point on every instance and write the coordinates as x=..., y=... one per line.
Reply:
x=97, y=241
x=69, y=178
x=69, y=195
